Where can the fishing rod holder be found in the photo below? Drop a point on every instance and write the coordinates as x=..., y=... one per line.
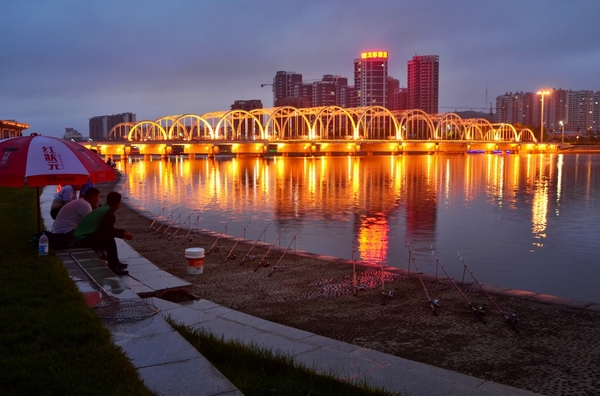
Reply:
x=160, y=214
x=170, y=217
x=187, y=236
x=276, y=268
x=215, y=246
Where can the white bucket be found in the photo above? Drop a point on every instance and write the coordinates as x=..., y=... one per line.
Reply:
x=195, y=258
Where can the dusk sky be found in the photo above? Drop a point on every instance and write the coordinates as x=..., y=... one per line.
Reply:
x=64, y=62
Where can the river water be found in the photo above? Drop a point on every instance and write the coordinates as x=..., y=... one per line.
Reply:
x=528, y=222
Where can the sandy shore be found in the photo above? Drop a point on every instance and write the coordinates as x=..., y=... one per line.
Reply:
x=557, y=350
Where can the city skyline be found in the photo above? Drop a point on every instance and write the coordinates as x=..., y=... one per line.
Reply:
x=65, y=62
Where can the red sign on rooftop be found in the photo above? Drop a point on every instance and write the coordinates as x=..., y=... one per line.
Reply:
x=374, y=55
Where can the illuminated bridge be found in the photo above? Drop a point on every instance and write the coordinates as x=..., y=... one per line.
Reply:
x=327, y=130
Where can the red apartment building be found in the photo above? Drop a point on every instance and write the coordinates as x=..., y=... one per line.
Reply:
x=424, y=83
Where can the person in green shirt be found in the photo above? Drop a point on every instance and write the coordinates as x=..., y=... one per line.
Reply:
x=97, y=231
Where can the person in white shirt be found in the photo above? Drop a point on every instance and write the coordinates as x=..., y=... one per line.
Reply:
x=69, y=217
x=66, y=194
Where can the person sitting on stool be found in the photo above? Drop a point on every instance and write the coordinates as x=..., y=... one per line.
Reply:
x=97, y=231
x=69, y=217
x=66, y=194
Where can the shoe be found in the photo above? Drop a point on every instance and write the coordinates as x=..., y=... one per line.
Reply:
x=102, y=255
x=122, y=265
x=120, y=271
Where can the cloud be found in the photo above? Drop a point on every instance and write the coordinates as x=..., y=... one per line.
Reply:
x=66, y=61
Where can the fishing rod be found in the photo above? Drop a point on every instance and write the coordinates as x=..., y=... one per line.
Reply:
x=263, y=261
x=248, y=256
x=383, y=293
x=162, y=211
x=187, y=236
x=214, y=245
x=167, y=219
x=477, y=312
x=183, y=223
x=171, y=225
x=235, y=244
x=512, y=318
x=355, y=285
x=409, y=257
x=278, y=267
x=433, y=303
x=354, y=281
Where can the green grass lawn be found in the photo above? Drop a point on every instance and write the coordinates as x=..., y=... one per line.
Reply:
x=256, y=371
x=51, y=343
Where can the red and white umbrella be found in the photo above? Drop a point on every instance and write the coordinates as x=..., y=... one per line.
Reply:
x=43, y=160
x=37, y=160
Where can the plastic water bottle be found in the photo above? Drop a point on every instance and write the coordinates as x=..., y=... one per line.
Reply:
x=43, y=245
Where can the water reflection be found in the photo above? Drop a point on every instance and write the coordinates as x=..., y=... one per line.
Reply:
x=495, y=209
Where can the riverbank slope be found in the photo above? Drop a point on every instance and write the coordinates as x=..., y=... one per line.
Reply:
x=557, y=350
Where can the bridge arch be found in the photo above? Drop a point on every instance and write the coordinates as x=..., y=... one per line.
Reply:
x=504, y=132
x=417, y=125
x=477, y=128
x=377, y=122
x=527, y=135
x=450, y=126
x=289, y=123
x=147, y=130
x=120, y=131
x=241, y=125
x=195, y=127
x=334, y=122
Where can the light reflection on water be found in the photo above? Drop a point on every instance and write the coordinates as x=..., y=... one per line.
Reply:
x=520, y=221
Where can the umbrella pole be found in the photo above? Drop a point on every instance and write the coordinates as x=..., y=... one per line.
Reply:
x=38, y=211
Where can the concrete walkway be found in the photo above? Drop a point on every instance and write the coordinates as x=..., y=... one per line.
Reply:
x=171, y=366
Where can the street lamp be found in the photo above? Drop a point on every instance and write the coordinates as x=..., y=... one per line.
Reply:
x=562, y=132
x=543, y=93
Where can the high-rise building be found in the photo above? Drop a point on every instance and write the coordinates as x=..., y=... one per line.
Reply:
x=247, y=105
x=348, y=97
x=284, y=87
x=370, y=78
x=580, y=113
x=324, y=94
x=571, y=110
x=399, y=100
x=393, y=88
x=555, y=109
x=518, y=108
x=100, y=126
x=596, y=112
x=423, y=83
x=328, y=91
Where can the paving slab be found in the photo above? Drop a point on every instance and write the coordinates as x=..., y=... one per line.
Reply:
x=188, y=316
x=335, y=362
x=191, y=377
